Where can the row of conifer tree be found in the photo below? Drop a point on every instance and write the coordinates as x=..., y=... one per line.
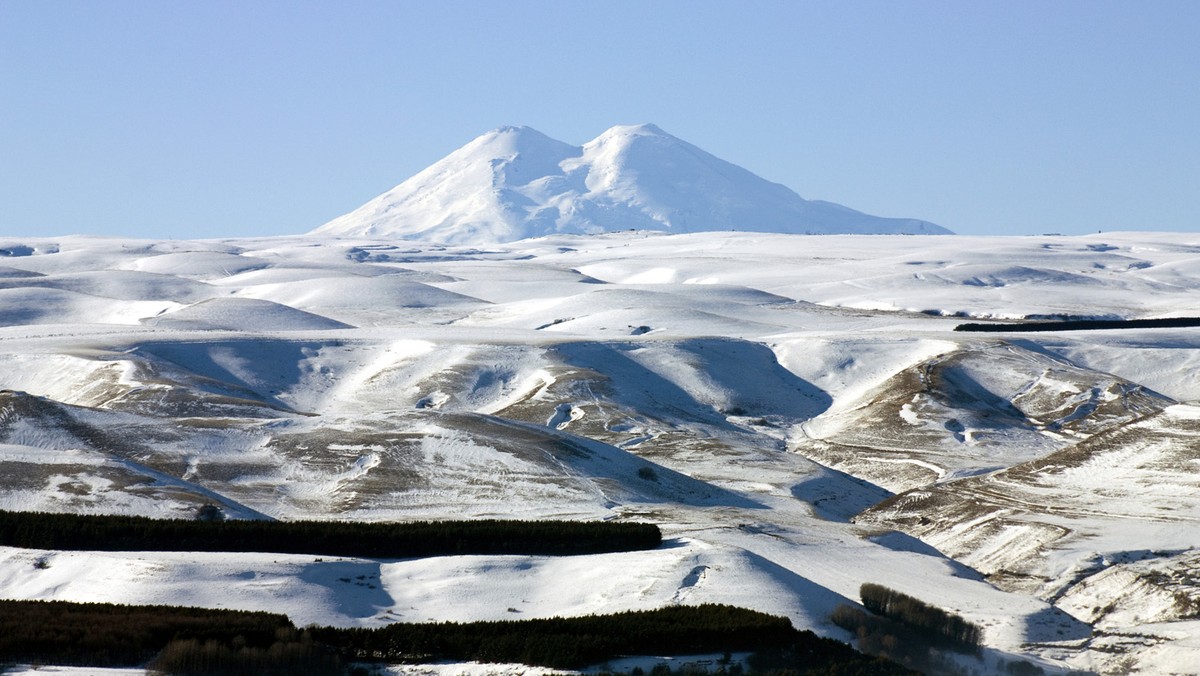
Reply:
x=906, y=630
x=186, y=641
x=937, y=625
x=40, y=530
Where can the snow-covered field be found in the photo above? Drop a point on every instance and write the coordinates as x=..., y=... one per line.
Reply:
x=757, y=395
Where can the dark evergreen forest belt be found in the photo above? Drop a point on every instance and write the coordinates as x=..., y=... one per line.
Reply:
x=106, y=634
x=100, y=634
x=38, y=530
x=572, y=642
x=1083, y=325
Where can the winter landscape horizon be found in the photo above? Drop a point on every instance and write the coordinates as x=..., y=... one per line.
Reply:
x=532, y=330
x=542, y=337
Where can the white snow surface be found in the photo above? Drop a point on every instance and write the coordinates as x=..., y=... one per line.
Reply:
x=752, y=394
x=515, y=183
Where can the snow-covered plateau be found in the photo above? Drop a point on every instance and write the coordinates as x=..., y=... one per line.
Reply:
x=811, y=420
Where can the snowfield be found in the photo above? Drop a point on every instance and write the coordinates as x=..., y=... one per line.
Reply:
x=796, y=412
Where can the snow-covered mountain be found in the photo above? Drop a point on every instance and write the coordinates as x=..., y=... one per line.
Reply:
x=515, y=183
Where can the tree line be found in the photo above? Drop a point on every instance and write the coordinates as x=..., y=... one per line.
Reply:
x=41, y=530
x=292, y=654
x=112, y=635
x=567, y=643
x=906, y=630
x=185, y=641
x=1082, y=325
x=937, y=625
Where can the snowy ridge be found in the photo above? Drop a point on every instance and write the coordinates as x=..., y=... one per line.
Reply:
x=515, y=183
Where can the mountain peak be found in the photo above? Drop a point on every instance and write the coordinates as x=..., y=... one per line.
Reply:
x=644, y=129
x=515, y=182
x=512, y=131
x=508, y=139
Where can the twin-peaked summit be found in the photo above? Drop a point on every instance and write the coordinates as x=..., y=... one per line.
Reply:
x=515, y=182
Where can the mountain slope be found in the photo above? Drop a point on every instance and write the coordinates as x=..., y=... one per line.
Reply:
x=514, y=183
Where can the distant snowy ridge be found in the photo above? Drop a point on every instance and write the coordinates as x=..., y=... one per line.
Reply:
x=514, y=183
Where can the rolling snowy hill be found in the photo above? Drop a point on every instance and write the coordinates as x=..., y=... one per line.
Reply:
x=515, y=183
x=796, y=412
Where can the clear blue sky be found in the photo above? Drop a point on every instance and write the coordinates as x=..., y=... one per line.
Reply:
x=223, y=118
